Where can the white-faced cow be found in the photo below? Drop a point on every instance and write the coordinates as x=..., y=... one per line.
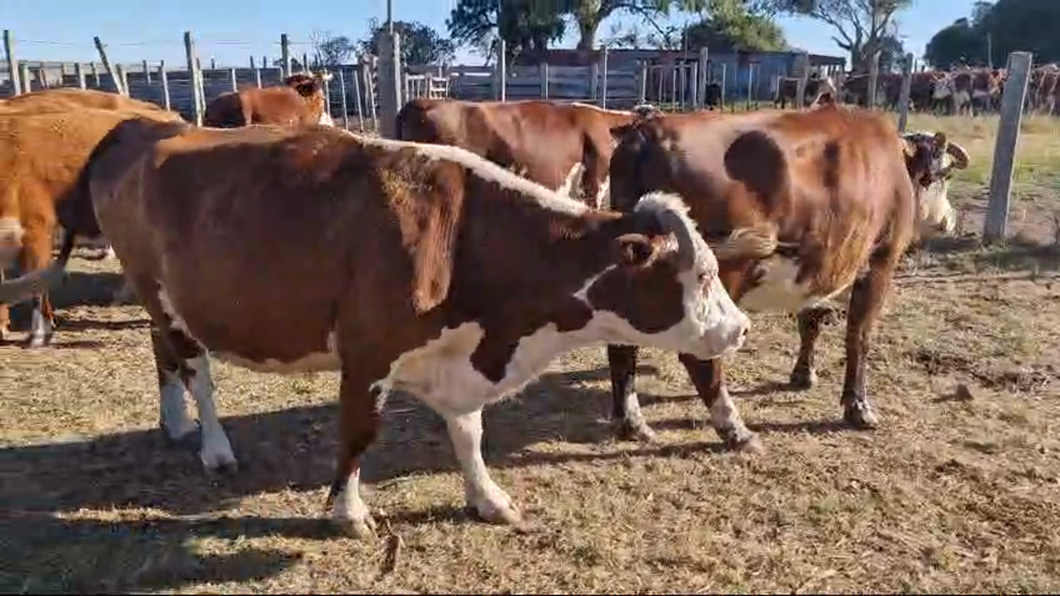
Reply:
x=838, y=192
x=562, y=146
x=405, y=266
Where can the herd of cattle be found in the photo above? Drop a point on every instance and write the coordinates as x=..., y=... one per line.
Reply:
x=963, y=90
x=457, y=262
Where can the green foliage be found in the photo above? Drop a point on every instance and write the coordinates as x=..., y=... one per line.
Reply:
x=525, y=25
x=419, y=43
x=728, y=25
x=1010, y=25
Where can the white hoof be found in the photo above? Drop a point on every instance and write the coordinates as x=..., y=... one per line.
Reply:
x=496, y=508
x=351, y=516
x=217, y=453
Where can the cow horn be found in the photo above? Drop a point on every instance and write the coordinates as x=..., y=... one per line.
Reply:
x=672, y=213
x=960, y=156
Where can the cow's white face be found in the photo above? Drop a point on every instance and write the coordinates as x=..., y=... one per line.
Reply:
x=672, y=302
x=936, y=214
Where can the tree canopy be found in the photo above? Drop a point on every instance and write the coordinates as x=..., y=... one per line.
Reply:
x=993, y=31
x=419, y=43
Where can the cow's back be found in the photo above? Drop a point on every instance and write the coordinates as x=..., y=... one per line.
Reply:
x=62, y=99
x=832, y=180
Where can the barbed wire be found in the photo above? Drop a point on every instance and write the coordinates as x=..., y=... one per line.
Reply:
x=162, y=42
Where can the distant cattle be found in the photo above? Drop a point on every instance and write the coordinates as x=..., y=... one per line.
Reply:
x=817, y=89
x=969, y=89
x=838, y=190
x=407, y=266
x=298, y=101
x=565, y=147
x=41, y=157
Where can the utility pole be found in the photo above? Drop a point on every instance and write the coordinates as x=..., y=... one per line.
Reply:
x=390, y=16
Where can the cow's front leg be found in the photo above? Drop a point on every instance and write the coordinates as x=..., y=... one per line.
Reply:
x=626, y=417
x=810, y=320
x=866, y=300
x=360, y=413
x=709, y=378
x=482, y=494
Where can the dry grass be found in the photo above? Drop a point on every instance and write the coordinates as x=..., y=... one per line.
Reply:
x=956, y=491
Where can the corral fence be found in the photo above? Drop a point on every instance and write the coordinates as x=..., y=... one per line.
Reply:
x=367, y=95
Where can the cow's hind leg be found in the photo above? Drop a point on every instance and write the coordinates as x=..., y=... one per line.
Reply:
x=36, y=254
x=360, y=413
x=708, y=376
x=866, y=300
x=483, y=496
x=172, y=414
x=804, y=375
x=178, y=353
x=626, y=417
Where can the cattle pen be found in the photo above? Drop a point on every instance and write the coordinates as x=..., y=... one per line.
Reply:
x=957, y=491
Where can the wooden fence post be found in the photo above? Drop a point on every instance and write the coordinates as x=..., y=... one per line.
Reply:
x=500, y=73
x=95, y=75
x=903, y=98
x=724, y=73
x=1008, y=132
x=194, y=78
x=106, y=65
x=23, y=73
x=79, y=72
x=342, y=98
x=389, y=74
x=874, y=77
x=603, y=82
x=370, y=86
x=802, y=66
x=357, y=93
x=542, y=69
x=13, y=71
x=147, y=73
x=124, y=77
x=162, y=76
x=643, y=75
x=285, y=53
x=235, y=80
x=703, y=77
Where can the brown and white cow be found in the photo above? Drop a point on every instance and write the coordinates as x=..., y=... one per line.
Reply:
x=405, y=266
x=41, y=158
x=563, y=146
x=298, y=101
x=834, y=188
x=70, y=98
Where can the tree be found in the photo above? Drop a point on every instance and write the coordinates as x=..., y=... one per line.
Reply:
x=330, y=50
x=860, y=25
x=729, y=26
x=589, y=14
x=419, y=43
x=524, y=25
x=958, y=41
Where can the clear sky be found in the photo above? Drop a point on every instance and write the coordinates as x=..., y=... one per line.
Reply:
x=230, y=31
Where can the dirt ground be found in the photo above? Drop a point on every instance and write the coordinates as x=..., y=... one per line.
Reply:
x=956, y=491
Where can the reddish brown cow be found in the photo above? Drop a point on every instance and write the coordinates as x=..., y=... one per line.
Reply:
x=407, y=266
x=834, y=186
x=565, y=147
x=41, y=156
x=299, y=100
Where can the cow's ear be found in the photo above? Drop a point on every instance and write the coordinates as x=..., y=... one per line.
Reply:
x=618, y=132
x=634, y=250
x=909, y=148
x=940, y=141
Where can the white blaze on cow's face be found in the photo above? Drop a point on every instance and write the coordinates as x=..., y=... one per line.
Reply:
x=10, y=239
x=666, y=294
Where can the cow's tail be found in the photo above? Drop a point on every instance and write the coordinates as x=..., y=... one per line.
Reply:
x=31, y=284
x=756, y=242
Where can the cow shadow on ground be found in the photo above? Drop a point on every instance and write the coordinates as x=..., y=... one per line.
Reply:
x=78, y=289
x=287, y=450
x=969, y=253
